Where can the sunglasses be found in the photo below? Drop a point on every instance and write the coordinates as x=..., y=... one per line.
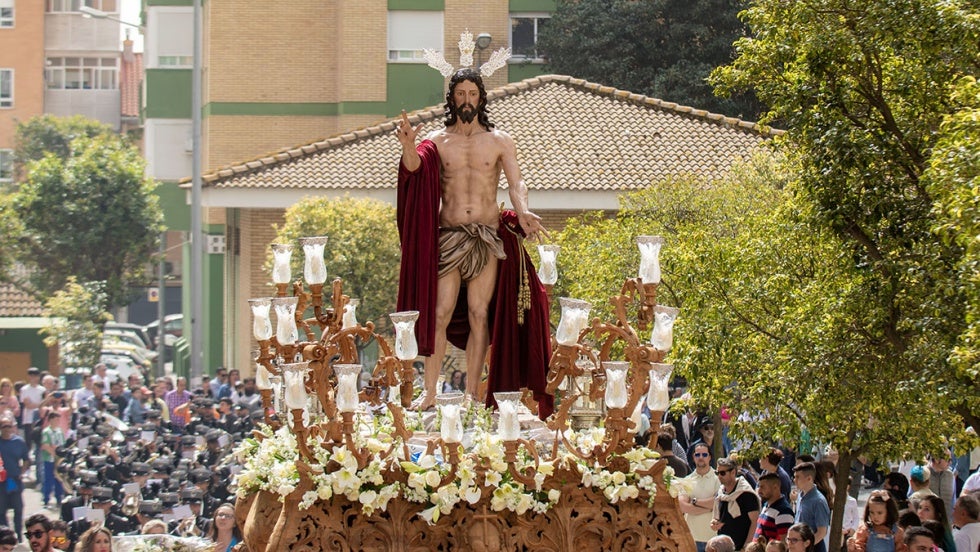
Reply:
x=723, y=472
x=59, y=540
x=224, y=516
x=701, y=455
x=34, y=535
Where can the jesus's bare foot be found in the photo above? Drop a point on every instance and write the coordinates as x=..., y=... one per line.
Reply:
x=425, y=402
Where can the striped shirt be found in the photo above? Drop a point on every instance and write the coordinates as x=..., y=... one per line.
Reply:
x=775, y=520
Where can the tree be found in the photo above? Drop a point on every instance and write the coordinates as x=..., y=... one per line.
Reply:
x=661, y=48
x=78, y=312
x=775, y=318
x=92, y=215
x=46, y=134
x=362, y=249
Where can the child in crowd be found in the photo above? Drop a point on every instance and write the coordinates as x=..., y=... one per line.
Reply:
x=776, y=546
x=880, y=531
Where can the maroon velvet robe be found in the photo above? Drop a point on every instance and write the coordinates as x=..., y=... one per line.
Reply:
x=519, y=353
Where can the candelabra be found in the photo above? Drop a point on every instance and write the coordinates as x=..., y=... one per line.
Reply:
x=582, y=372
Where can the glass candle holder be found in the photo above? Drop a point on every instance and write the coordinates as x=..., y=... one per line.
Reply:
x=282, y=253
x=346, y=397
x=636, y=416
x=616, y=393
x=548, y=269
x=314, y=268
x=450, y=409
x=406, y=348
x=350, y=313
x=285, y=307
x=262, y=376
x=508, y=424
x=650, y=258
x=277, y=391
x=662, y=337
x=261, y=323
x=574, y=319
x=658, y=397
x=294, y=379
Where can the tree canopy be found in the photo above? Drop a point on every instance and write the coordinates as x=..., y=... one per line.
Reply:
x=78, y=312
x=87, y=212
x=362, y=249
x=662, y=48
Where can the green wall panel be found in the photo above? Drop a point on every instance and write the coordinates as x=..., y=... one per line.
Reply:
x=413, y=86
x=168, y=94
x=25, y=340
x=520, y=71
x=532, y=6
x=173, y=201
x=428, y=5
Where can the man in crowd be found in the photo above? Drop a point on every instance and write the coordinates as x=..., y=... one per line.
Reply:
x=942, y=481
x=664, y=445
x=811, y=506
x=31, y=396
x=736, y=507
x=176, y=398
x=777, y=515
x=15, y=457
x=698, y=505
x=919, y=539
x=770, y=463
x=39, y=533
x=919, y=483
x=966, y=517
x=52, y=437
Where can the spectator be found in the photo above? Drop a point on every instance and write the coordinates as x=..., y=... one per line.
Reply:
x=15, y=459
x=117, y=397
x=737, y=505
x=250, y=395
x=8, y=539
x=919, y=483
x=698, y=505
x=223, y=530
x=770, y=464
x=931, y=508
x=156, y=400
x=59, y=535
x=721, y=543
x=31, y=396
x=800, y=538
x=898, y=485
x=664, y=446
x=52, y=438
x=811, y=506
x=176, y=398
x=685, y=426
x=880, y=525
x=154, y=527
x=220, y=378
x=96, y=539
x=457, y=382
x=83, y=396
x=907, y=518
x=919, y=539
x=707, y=437
x=229, y=388
x=38, y=533
x=135, y=412
x=102, y=377
x=777, y=515
x=8, y=399
x=966, y=517
x=776, y=546
x=942, y=481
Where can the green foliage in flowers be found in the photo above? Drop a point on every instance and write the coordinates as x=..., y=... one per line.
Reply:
x=362, y=249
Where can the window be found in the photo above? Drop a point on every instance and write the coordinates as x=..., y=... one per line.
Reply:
x=69, y=6
x=6, y=165
x=176, y=61
x=6, y=87
x=6, y=13
x=82, y=73
x=524, y=30
x=409, y=32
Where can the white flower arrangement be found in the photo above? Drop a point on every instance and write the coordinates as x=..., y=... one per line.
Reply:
x=161, y=543
x=270, y=464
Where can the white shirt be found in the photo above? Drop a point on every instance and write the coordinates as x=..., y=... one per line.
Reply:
x=704, y=487
x=36, y=394
x=967, y=537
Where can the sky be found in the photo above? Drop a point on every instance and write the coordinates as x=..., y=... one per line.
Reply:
x=129, y=11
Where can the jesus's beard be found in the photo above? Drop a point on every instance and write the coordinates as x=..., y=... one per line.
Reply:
x=466, y=113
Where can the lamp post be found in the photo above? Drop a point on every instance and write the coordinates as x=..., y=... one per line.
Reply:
x=197, y=238
x=92, y=13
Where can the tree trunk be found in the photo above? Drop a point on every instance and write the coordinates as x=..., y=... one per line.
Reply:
x=841, y=481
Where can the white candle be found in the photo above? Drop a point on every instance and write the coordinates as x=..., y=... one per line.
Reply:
x=286, y=331
x=574, y=319
x=658, y=397
x=350, y=314
x=295, y=381
x=261, y=324
x=451, y=427
x=662, y=337
x=650, y=258
x=262, y=382
x=281, y=254
x=508, y=426
x=616, y=392
x=314, y=268
x=548, y=271
x=406, y=347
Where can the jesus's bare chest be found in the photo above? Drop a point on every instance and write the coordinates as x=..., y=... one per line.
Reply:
x=468, y=153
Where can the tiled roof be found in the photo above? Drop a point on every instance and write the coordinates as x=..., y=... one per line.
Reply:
x=570, y=134
x=130, y=78
x=14, y=302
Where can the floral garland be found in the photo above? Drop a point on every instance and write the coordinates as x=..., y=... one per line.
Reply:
x=269, y=465
x=161, y=543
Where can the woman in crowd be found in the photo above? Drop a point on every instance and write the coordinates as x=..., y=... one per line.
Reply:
x=799, y=538
x=8, y=399
x=8, y=539
x=457, y=382
x=932, y=508
x=96, y=539
x=224, y=532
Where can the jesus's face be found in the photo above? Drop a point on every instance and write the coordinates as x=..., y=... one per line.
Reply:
x=466, y=98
